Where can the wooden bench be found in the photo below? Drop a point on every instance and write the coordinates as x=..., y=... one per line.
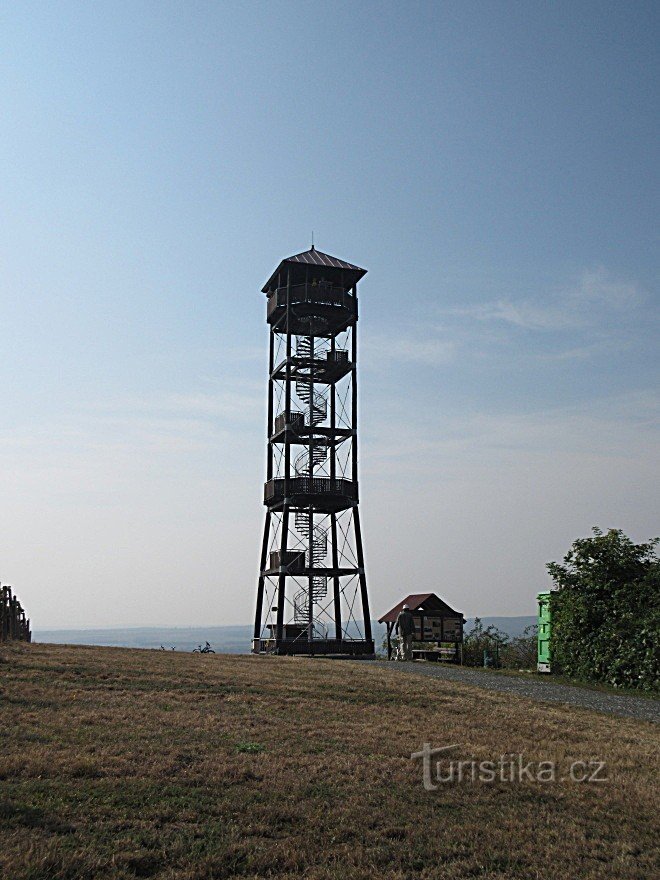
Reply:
x=435, y=655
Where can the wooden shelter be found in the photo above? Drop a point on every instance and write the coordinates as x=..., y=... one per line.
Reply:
x=435, y=621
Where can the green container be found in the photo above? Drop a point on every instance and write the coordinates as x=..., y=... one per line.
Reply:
x=543, y=656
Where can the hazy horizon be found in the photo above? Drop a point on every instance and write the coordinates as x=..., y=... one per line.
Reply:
x=235, y=639
x=494, y=168
x=245, y=625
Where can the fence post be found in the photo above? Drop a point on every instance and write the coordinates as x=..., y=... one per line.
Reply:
x=13, y=621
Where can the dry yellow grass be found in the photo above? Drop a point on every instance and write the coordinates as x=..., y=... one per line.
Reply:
x=121, y=763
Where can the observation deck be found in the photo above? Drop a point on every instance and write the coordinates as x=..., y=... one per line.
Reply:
x=325, y=308
x=296, y=430
x=324, y=494
x=325, y=371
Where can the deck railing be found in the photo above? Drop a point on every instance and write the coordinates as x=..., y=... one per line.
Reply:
x=274, y=489
x=296, y=421
x=323, y=294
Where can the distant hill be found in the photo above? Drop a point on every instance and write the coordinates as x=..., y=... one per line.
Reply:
x=512, y=626
x=224, y=639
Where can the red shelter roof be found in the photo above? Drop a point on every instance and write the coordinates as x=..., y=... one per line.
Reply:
x=424, y=602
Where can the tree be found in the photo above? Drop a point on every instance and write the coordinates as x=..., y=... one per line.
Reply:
x=521, y=652
x=518, y=652
x=605, y=611
x=480, y=639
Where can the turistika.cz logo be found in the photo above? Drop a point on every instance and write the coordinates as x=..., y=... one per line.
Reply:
x=438, y=767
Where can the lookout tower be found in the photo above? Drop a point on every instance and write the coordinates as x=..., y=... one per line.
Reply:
x=312, y=590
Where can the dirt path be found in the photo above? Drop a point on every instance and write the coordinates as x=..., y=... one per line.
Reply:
x=537, y=688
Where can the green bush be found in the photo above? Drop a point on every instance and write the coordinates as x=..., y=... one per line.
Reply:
x=605, y=610
x=480, y=639
x=521, y=652
x=509, y=653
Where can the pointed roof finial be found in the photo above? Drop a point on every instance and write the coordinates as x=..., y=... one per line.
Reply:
x=312, y=239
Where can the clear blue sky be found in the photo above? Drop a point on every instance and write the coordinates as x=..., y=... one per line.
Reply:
x=495, y=168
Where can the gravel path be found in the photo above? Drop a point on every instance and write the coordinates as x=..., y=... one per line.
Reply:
x=537, y=689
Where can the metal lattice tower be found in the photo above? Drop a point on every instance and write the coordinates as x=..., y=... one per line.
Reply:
x=312, y=590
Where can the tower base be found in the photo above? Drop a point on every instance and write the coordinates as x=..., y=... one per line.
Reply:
x=317, y=648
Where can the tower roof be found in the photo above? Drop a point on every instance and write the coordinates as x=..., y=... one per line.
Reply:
x=312, y=257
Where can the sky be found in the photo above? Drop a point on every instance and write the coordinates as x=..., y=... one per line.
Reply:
x=493, y=165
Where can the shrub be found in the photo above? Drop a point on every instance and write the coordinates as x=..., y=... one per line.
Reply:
x=521, y=651
x=480, y=639
x=605, y=610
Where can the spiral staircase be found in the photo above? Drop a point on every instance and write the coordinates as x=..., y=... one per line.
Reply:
x=305, y=464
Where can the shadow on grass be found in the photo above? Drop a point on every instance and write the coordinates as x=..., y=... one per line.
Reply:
x=31, y=817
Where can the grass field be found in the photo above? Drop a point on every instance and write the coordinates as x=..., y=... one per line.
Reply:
x=122, y=763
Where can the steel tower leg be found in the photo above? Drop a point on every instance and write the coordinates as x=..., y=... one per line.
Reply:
x=363, y=577
x=260, y=586
x=281, y=585
x=335, y=580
